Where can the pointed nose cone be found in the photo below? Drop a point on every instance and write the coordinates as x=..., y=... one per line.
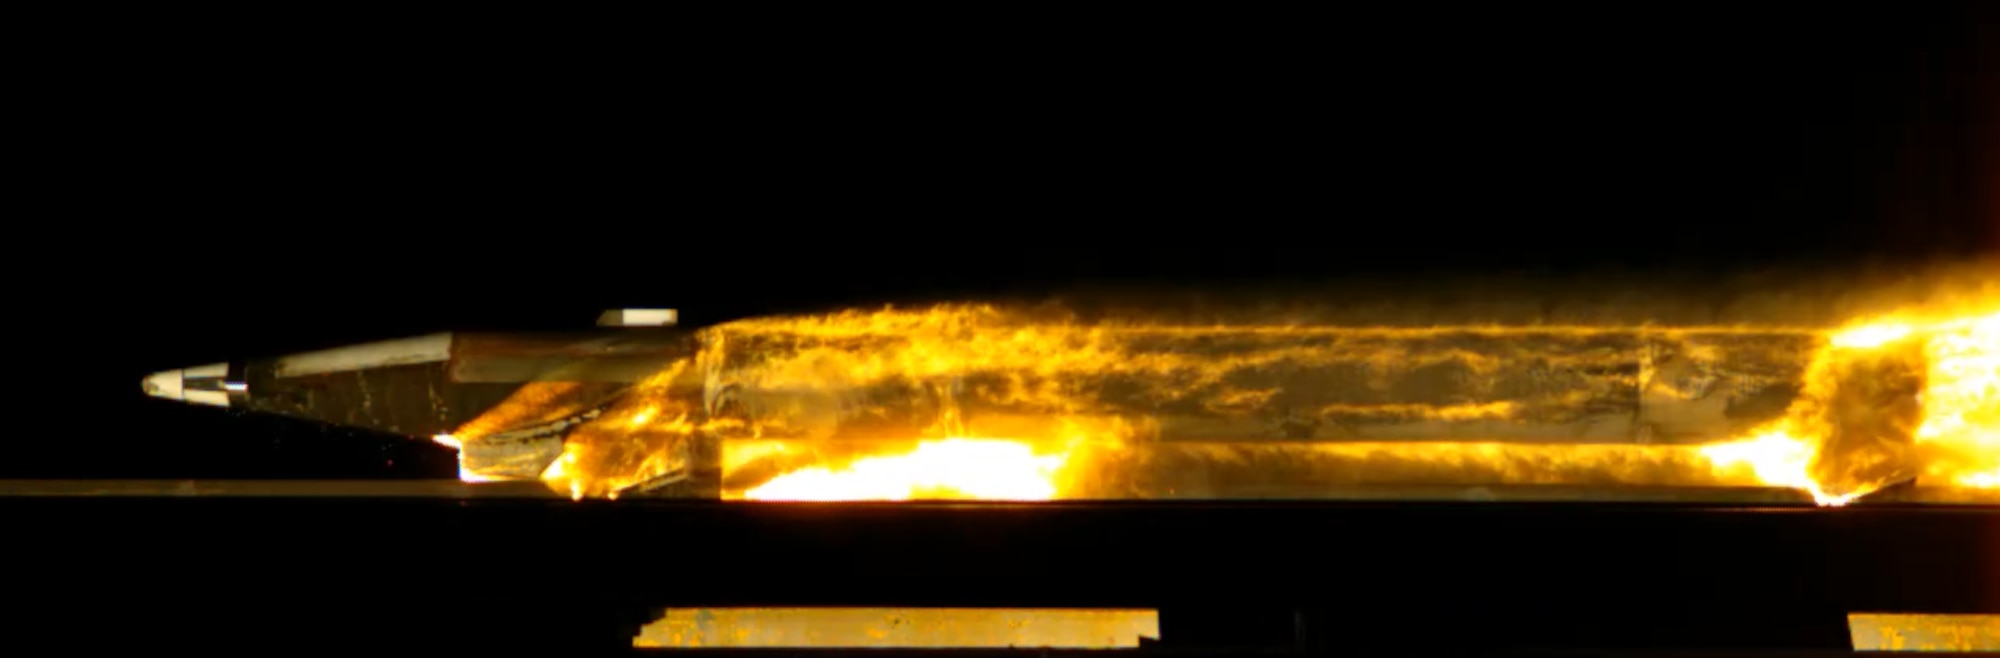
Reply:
x=164, y=384
x=198, y=385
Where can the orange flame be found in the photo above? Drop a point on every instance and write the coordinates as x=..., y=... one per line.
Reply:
x=1958, y=437
x=1954, y=440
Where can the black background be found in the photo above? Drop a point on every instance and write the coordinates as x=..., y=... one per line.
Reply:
x=253, y=194
x=236, y=185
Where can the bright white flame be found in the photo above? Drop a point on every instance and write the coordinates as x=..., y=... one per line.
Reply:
x=1778, y=459
x=644, y=416
x=639, y=317
x=464, y=474
x=1871, y=336
x=982, y=469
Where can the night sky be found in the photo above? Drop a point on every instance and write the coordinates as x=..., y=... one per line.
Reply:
x=278, y=204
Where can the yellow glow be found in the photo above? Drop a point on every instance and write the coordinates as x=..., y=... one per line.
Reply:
x=1956, y=439
x=1924, y=633
x=1068, y=407
x=562, y=474
x=643, y=417
x=1097, y=470
x=1960, y=433
x=533, y=403
x=1778, y=460
x=738, y=454
x=888, y=628
x=1869, y=336
x=975, y=469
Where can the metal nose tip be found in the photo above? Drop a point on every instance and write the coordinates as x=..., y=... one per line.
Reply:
x=163, y=384
x=206, y=385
